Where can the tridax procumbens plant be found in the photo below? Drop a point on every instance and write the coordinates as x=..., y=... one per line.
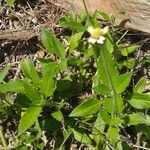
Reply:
x=83, y=92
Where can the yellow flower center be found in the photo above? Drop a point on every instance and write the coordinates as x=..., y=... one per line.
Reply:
x=96, y=33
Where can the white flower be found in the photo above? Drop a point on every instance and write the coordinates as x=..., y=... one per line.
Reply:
x=97, y=34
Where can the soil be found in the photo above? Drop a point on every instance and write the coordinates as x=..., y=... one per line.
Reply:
x=20, y=28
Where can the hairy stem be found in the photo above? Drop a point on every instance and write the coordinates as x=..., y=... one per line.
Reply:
x=86, y=10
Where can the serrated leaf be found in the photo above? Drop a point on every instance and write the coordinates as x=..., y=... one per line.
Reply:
x=29, y=71
x=80, y=136
x=99, y=124
x=140, y=86
x=136, y=119
x=28, y=119
x=102, y=89
x=12, y=86
x=52, y=44
x=113, y=134
x=122, y=82
x=3, y=73
x=74, y=25
x=109, y=106
x=47, y=84
x=140, y=101
x=126, y=51
x=116, y=121
x=31, y=92
x=88, y=107
x=130, y=63
x=74, y=40
x=105, y=116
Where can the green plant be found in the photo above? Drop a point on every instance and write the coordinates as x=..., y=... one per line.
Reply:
x=83, y=91
x=10, y=2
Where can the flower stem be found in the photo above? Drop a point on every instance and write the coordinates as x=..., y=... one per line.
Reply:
x=3, y=139
x=84, y=3
x=86, y=10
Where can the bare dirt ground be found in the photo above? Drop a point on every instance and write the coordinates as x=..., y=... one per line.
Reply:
x=20, y=25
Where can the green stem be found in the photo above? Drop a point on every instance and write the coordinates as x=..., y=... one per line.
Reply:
x=84, y=3
x=3, y=139
x=115, y=107
x=86, y=10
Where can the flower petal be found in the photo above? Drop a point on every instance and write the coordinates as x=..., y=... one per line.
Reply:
x=101, y=40
x=105, y=30
x=91, y=40
x=90, y=29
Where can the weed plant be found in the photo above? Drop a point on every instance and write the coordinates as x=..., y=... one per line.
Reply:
x=85, y=91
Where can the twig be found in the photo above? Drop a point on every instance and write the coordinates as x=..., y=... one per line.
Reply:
x=140, y=147
x=138, y=141
x=3, y=139
x=122, y=37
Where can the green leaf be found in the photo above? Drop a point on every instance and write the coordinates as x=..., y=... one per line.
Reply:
x=50, y=125
x=145, y=60
x=102, y=89
x=66, y=135
x=52, y=44
x=119, y=103
x=105, y=116
x=127, y=50
x=104, y=15
x=29, y=71
x=94, y=21
x=31, y=92
x=74, y=40
x=74, y=25
x=3, y=73
x=140, y=101
x=12, y=86
x=47, y=84
x=80, y=136
x=88, y=107
x=116, y=121
x=113, y=134
x=108, y=104
x=10, y=2
x=106, y=66
x=144, y=129
x=140, y=86
x=130, y=63
x=99, y=124
x=122, y=82
x=28, y=119
x=58, y=115
x=136, y=119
